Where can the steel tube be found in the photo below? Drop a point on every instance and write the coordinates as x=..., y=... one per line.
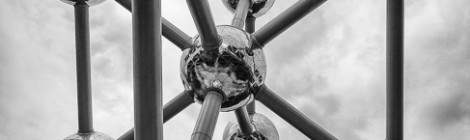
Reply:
x=250, y=28
x=169, y=31
x=205, y=25
x=293, y=116
x=173, y=107
x=394, y=59
x=283, y=21
x=207, y=117
x=146, y=27
x=244, y=121
x=241, y=12
x=82, y=42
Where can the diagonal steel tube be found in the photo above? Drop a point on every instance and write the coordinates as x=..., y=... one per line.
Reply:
x=283, y=21
x=244, y=121
x=205, y=25
x=173, y=107
x=169, y=31
x=147, y=55
x=394, y=78
x=241, y=12
x=82, y=42
x=207, y=119
x=293, y=116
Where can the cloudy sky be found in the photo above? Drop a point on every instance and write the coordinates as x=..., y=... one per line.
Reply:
x=331, y=65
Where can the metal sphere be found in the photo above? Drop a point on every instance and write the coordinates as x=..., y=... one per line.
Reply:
x=258, y=8
x=234, y=69
x=89, y=136
x=265, y=130
x=88, y=2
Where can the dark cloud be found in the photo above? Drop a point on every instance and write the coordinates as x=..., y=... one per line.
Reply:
x=330, y=65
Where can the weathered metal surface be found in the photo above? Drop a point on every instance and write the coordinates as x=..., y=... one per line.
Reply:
x=258, y=8
x=89, y=136
x=234, y=69
x=88, y=2
x=265, y=130
x=207, y=119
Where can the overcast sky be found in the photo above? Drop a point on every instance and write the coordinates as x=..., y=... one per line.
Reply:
x=330, y=65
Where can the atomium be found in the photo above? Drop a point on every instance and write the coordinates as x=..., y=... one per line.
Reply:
x=234, y=68
x=223, y=68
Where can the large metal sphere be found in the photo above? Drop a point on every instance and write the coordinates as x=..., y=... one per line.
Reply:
x=259, y=7
x=235, y=69
x=88, y=2
x=265, y=130
x=89, y=136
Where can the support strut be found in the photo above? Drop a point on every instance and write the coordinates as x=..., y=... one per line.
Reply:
x=207, y=119
x=283, y=21
x=394, y=51
x=82, y=37
x=293, y=116
x=147, y=54
x=173, y=107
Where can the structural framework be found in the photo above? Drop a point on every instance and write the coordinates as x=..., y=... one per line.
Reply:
x=223, y=68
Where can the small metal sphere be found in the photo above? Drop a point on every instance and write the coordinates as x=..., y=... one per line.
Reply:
x=265, y=130
x=89, y=136
x=258, y=8
x=88, y=2
x=234, y=69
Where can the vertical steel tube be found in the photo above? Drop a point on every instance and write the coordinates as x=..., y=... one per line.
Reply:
x=169, y=31
x=283, y=21
x=244, y=121
x=250, y=28
x=207, y=117
x=146, y=25
x=205, y=25
x=394, y=51
x=292, y=115
x=241, y=12
x=173, y=107
x=82, y=41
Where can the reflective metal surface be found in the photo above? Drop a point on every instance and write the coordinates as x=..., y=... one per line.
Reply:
x=259, y=7
x=234, y=68
x=88, y=2
x=265, y=130
x=89, y=136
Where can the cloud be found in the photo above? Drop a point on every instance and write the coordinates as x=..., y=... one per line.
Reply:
x=330, y=65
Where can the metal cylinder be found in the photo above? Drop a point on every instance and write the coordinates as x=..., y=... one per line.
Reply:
x=205, y=25
x=240, y=13
x=148, y=118
x=169, y=31
x=82, y=41
x=250, y=28
x=244, y=121
x=170, y=109
x=293, y=116
x=207, y=119
x=394, y=58
x=283, y=21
